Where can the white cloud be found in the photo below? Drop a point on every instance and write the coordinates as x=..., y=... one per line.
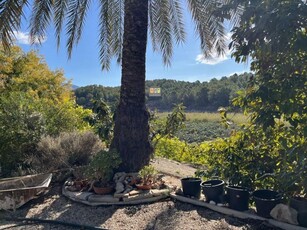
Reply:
x=24, y=38
x=215, y=58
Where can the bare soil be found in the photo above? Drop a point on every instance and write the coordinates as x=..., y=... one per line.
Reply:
x=165, y=215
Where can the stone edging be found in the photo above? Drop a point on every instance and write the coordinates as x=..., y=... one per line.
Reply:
x=92, y=199
x=237, y=214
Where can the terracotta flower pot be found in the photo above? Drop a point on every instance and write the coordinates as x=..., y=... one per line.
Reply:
x=102, y=190
x=143, y=186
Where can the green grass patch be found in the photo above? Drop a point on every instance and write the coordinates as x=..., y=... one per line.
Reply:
x=236, y=118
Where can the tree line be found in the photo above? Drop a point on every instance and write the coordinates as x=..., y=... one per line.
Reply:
x=196, y=96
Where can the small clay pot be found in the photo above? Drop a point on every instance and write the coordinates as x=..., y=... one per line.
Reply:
x=101, y=190
x=143, y=186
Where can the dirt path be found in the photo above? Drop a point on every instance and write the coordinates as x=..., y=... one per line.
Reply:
x=164, y=215
x=173, y=168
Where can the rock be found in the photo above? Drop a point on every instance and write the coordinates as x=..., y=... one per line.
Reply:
x=118, y=176
x=179, y=192
x=119, y=187
x=284, y=213
x=128, y=189
x=159, y=192
x=140, y=196
x=120, y=195
x=135, y=192
x=212, y=202
x=220, y=204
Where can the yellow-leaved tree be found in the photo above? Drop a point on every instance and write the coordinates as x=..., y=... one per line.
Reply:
x=34, y=102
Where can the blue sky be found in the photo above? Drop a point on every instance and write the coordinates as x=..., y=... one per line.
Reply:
x=84, y=68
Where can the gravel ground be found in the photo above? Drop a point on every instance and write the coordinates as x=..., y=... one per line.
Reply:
x=164, y=215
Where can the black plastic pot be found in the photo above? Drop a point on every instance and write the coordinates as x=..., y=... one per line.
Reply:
x=213, y=190
x=300, y=205
x=265, y=201
x=238, y=197
x=191, y=186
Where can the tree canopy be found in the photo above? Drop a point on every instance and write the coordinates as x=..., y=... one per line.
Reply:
x=196, y=96
x=34, y=101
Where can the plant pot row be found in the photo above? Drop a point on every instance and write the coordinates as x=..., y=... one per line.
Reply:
x=238, y=197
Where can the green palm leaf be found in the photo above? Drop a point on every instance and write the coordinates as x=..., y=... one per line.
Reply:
x=10, y=17
x=60, y=9
x=40, y=19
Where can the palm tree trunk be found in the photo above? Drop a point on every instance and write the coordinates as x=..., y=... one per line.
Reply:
x=131, y=132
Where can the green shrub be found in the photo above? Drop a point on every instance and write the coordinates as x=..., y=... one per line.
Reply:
x=34, y=102
x=65, y=150
x=103, y=164
x=173, y=148
x=21, y=127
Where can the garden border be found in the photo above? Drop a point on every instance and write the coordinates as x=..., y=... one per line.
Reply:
x=237, y=214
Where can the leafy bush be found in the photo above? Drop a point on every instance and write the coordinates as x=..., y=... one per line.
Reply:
x=65, y=150
x=103, y=164
x=34, y=101
x=21, y=127
x=173, y=148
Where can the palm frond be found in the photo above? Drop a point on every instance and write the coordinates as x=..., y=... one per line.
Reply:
x=77, y=10
x=83, y=8
x=72, y=24
x=152, y=19
x=117, y=27
x=233, y=9
x=40, y=19
x=165, y=25
x=162, y=30
x=60, y=8
x=105, y=52
x=209, y=27
x=10, y=17
x=177, y=20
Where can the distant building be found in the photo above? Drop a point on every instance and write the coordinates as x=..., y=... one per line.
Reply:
x=154, y=92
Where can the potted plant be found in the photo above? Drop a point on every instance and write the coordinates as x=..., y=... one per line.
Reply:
x=238, y=191
x=265, y=201
x=237, y=197
x=101, y=171
x=213, y=190
x=191, y=186
x=299, y=203
x=148, y=176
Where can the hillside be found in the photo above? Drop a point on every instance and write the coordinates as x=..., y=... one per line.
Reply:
x=196, y=96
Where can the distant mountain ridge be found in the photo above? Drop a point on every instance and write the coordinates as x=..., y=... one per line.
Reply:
x=74, y=87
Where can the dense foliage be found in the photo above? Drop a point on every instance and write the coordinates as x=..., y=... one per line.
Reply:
x=276, y=98
x=34, y=101
x=270, y=151
x=196, y=96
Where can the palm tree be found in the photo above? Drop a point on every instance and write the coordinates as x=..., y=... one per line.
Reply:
x=123, y=26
